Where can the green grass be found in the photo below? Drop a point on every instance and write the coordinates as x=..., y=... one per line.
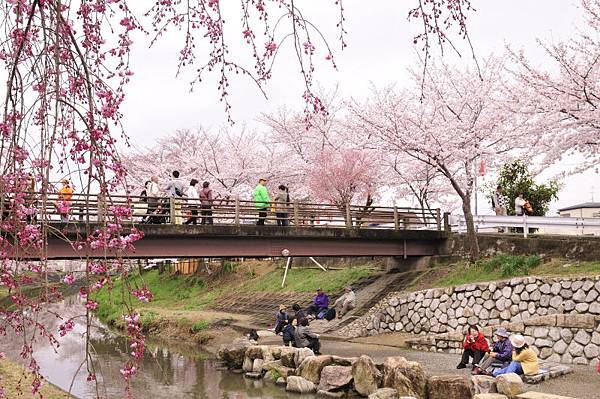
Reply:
x=200, y=325
x=307, y=280
x=170, y=292
x=507, y=266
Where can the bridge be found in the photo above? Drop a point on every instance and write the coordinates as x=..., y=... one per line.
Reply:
x=292, y=229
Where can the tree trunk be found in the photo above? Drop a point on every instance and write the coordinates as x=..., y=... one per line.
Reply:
x=471, y=234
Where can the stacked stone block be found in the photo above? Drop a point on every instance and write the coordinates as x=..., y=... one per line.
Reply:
x=534, y=305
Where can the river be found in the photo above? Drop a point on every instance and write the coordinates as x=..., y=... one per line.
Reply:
x=169, y=370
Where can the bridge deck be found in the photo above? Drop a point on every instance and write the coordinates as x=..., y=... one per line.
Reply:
x=262, y=241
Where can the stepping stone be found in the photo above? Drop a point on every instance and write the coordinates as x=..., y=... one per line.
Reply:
x=255, y=376
x=547, y=371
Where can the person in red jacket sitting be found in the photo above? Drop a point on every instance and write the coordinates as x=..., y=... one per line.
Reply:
x=475, y=346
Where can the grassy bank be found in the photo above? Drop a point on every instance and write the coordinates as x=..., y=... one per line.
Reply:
x=503, y=267
x=180, y=302
x=17, y=383
x=307, y=280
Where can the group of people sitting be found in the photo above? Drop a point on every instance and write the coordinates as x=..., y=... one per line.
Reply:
x=295, y=329
x=509, y=354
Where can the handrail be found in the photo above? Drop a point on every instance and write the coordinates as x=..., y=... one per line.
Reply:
x=565, y=224
x=229, y=211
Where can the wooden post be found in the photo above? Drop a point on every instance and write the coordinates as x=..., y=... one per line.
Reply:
x=396, y=221
x=172, y=210
x=447, y=221
x=348, y=217
x=296, y=214
x=237, y=211
x=438, y=219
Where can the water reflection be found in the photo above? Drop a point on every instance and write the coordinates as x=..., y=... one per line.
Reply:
x=168, y=370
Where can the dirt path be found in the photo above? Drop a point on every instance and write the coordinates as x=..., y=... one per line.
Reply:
x=584, y=383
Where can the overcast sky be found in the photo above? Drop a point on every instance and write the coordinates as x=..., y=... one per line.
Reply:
x=379, y=52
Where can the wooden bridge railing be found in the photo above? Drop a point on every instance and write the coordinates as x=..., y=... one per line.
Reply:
x=95, y=208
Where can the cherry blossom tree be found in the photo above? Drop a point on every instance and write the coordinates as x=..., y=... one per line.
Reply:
x=342, y=177
x=566, y=102
x=67, y=66
x=458, y=117
x=231, y=160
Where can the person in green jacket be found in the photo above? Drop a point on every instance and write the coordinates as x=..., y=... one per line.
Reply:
x=261, y=201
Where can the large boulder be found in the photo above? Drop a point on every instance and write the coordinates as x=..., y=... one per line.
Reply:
x=484, y=384
x=311, y=367
x=277, y=369
x=367, y=376
x=264, y=352
x=384, y=393
x=490, y=396
x=299, y=385
x=234, y=353
x=510, y=384
x=450, y=386
x=247, y=365
x=257, y=365
x=335, y=377
x=288, y=357
x=395, y=366
x=300, y=354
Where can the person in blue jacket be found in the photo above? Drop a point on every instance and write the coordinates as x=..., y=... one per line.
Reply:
x=500, y=356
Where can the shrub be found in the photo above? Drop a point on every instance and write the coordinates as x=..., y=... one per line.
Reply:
x=511, y=265
x=200, y=325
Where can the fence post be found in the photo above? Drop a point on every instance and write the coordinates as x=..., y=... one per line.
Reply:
x=396, y=222
x=172, y=210
x=237, y=211
x=438, y=219
x=525, y=228
x=348, y=217
x=447, y=221
x=296, y=214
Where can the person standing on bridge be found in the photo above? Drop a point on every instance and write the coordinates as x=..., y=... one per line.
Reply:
x=206, y=199
x=193, y=202
x=281, y=205
x=65, y=195
x=261, y=201
x=176, y=191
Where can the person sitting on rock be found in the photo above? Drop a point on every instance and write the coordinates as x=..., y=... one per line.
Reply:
x=500, y=356
x=475, y=346
x=319, y=304
x=289, y=331
x=281, y=319
x=524, y=359
x=345, y=303
x=306, y=338
x=299, y=314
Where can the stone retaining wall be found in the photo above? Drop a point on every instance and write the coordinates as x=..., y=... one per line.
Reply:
x=520, y=302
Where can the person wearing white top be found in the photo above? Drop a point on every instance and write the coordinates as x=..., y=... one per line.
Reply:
x=345, y=303
x=519, y=202
x=193, y=202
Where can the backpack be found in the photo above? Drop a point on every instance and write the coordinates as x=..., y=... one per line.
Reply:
x=330, y=314
x=322, y=313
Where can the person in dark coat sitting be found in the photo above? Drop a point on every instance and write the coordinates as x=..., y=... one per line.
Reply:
x=500, y=356
x=299, y=314
x=289, y=332
x=281, y=320
x=475, y=346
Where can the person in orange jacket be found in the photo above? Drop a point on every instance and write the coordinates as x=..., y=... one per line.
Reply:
x=475, y=346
